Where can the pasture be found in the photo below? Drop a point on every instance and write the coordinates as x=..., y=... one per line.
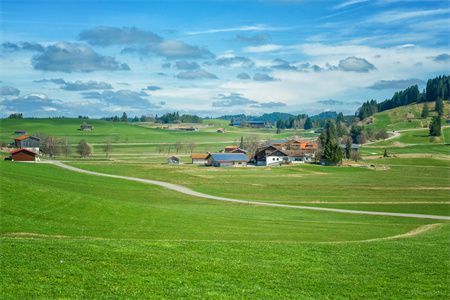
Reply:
x=70, y=235
x=65, y=234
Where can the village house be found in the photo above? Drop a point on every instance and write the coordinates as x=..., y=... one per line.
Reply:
x=86, y=127
x=220, y=130
x=28, y=142
x=286, y=151
x=199, y=158
x=23, y=155
x=227, y=160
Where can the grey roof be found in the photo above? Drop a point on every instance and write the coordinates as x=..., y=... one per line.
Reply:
x=229, y=157
x=278, y=141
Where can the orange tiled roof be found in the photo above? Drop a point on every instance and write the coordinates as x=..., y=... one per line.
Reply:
x=22, y=137
x=199, y=155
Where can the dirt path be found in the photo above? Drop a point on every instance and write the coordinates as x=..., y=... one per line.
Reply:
x=187, y=191
x=31, y=235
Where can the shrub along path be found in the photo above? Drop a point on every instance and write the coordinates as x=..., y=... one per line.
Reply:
x=185, y=190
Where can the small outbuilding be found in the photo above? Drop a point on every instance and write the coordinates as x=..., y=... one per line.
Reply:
x=20, y=132
x=86, y=127
x=23, y=155
x=220, y=130
x=173, y=160
x=199, y=158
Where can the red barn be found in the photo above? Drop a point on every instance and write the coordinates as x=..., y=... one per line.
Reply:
x=23, y=155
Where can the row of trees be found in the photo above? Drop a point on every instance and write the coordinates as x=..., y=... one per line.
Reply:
x=437, y=89
x=169, y=118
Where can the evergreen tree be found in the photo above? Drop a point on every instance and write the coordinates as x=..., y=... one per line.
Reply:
x=241, y=144
x=340, y=118
x=435, y=127
x=308, y=124
x=425, y=111
x=348, y=147
x=331, y=150
x=439, y=107
x=385, y=153
x=124, y=117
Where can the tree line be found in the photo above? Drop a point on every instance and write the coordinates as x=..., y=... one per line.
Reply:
x=436, y=89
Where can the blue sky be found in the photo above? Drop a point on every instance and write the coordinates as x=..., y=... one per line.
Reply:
x=101, y=58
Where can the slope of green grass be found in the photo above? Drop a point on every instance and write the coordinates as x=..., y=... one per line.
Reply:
x=305, y=183
x=103, y=238
x=118, y=132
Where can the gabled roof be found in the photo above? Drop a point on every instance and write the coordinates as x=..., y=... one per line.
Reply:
x=229, y=157
x=22, y=150
x=231, y=147
x=199, y=155
x=278, y=153
x=26, y=136
x=22, y=137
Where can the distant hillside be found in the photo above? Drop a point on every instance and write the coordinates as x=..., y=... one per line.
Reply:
x=275, y=117
x=325, y=115
x=437, y=88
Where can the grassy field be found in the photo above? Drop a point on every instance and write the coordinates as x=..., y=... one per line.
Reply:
x=70, y=235
x=423, y=180
x=118, y=132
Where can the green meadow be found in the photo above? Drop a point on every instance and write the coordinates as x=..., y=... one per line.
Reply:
x=70, y=235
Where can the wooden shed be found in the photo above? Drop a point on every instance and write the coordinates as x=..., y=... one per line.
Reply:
x=23, y=155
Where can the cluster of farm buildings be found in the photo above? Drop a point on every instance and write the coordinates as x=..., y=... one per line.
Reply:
x=26, y=147
x=276, y=152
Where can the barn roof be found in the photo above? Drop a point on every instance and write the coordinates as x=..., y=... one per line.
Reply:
x=229, y=157
x=22, y=137
x=26, y=136
x=199, y=155
x=22, y=150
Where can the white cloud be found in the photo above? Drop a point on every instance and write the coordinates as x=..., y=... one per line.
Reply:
x=263, y=48
x=259, y=27
x=401, y=15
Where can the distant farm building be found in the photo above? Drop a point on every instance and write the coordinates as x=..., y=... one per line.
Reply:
x=354, y=147
x=188, y=128
x=29, y=142
x=220, y=130
x=20, y=132
x=233, y=149
x=252, y=124
x=227, y=159
x=199, y=158
x=23, y=155
x=86, y=127
x=173, y=160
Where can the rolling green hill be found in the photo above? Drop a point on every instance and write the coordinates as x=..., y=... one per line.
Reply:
x=66, y=235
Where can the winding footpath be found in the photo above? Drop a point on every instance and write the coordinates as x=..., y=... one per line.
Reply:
x=187, y=191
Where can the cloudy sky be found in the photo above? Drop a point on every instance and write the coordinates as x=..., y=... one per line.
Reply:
x=100, y=58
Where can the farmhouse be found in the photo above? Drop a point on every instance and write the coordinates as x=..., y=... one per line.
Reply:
x=220, y=130
x=20, y=132
x=227, y=159
x=286, y=151
x=86, y=127
x=23, y=155
x=355, y=147
x=29, y=142
x=199, y=158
